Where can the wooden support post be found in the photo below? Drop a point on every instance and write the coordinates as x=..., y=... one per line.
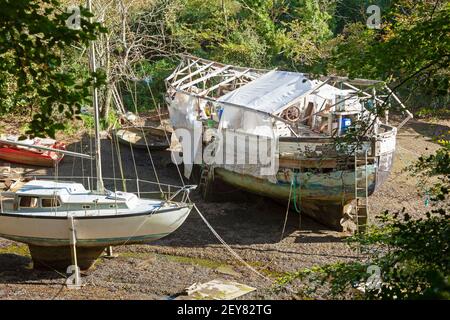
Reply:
x=109, y=253
x=409, y=114
x=339, y=125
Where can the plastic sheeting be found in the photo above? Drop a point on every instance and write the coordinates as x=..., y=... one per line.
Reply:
x=248, y=121
x=270, y=92
x=333, y=94
x=249, y=154
x=183, y=115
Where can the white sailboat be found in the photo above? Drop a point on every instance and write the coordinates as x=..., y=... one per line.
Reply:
x=37, y=214
x=63, y=223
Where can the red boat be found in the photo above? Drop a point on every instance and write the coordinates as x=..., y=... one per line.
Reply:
x=30, y=156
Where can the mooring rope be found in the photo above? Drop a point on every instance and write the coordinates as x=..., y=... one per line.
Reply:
x=145, y=138
x=287, y=211
x=119, y=158
x=294, y=182
x=157, y=107
x=234, y=253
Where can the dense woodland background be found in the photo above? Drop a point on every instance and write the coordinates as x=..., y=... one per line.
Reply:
x=143, y=38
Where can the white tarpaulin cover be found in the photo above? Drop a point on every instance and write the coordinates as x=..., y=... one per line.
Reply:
x=270, y=92
x=183, y=115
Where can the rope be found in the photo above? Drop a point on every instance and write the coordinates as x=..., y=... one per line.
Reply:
x=285, y=221
x=296, y=184
x=134, y=163
x=236, y=255
x=73, y=162
x=145, y=139
x=114, y=172
x=119, y=158
x=157, y=107
x=92, y=160
x=287, y=212
x=82, y=162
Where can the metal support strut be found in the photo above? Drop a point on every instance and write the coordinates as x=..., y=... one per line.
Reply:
x=74, y=281
x=109, y=253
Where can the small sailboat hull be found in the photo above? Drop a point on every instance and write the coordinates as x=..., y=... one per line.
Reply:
x=92, y=231
x=59, y=258
x=48, y=238
x=31, y=157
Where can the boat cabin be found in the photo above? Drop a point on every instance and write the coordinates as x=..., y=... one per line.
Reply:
x=41, y=196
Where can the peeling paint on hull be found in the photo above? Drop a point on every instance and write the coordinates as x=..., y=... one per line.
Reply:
x=322, y=196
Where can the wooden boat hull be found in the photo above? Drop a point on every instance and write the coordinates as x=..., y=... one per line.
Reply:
x=325, y=197
x=26, y=157
x=155, y=137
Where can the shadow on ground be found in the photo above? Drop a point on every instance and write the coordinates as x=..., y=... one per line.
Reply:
x=16, y=268
x=429, y=130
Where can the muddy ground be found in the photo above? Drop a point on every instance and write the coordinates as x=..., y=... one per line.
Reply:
x=251, y=225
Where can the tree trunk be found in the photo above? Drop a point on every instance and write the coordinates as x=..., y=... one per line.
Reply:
x=107, y=102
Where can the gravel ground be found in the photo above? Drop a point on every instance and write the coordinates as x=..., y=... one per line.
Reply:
x=250, y=225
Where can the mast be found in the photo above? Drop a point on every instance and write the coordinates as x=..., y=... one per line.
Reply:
x=98, y=157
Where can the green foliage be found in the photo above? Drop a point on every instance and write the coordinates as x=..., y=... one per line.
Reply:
x=413, y=255
x=33, y=38
x=410, y=51
x=304, y=38
x=42, y=74
x=348, y=12
x=152, y=75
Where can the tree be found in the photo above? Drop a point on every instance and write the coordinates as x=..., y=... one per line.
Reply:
x=34, y=37
x=410, y=51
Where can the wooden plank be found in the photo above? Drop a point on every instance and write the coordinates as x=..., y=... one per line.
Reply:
x=318, y=140
x=206, y=77
x=362, y=91
x=182, y=70
x=205, y=92
x=307, y=163
x=400, y=102
x=356, y=81
x=192, y=74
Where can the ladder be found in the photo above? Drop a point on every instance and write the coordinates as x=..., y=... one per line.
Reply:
x=361, y=191
x=204, y=183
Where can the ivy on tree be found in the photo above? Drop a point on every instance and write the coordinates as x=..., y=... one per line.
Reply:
x=33, y=77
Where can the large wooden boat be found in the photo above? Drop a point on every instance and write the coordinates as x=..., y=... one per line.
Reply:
x=328, y=148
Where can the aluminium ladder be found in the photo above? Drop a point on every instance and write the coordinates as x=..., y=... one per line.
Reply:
x=361, y=191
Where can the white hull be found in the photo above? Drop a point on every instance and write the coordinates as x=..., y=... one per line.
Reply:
x=93, y=231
